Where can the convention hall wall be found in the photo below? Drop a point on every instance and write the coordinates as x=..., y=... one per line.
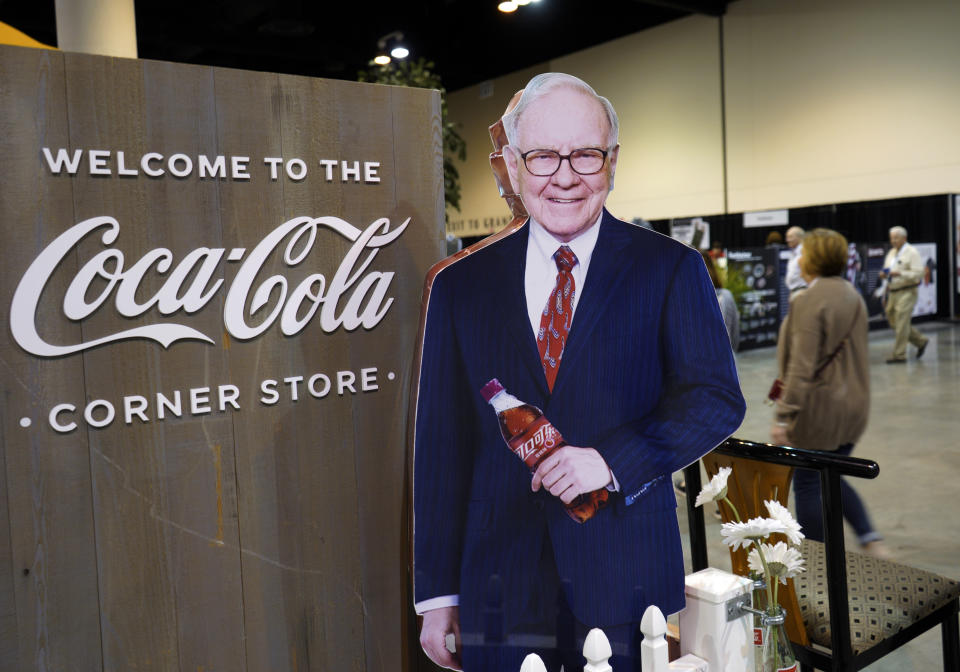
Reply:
x=808, y=102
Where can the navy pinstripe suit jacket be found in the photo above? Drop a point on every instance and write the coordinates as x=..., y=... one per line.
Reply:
x=647, y=378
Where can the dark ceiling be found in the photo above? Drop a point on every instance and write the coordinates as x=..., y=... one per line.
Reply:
x=468, y=40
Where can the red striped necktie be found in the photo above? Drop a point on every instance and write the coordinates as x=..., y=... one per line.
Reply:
x=557, y=315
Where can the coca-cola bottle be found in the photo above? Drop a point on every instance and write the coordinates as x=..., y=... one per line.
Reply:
x=532, y=438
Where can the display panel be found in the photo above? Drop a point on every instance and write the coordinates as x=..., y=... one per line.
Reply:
x=211, y=283
x=753, y=276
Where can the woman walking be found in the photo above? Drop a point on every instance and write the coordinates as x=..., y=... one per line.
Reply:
x=825, y=400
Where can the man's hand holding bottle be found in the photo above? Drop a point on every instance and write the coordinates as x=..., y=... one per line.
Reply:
x=570, y=471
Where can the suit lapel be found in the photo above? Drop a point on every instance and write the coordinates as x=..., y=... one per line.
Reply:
x=510, y=279
x=607, y=269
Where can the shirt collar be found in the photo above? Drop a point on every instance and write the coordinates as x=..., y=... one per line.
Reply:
x=546, y=245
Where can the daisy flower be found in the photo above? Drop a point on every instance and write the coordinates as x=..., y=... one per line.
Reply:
x=783, y=561
x=716, y=489
x=736, y=535
x=779, y=512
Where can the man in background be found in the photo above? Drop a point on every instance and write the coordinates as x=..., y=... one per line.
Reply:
x=904, y=268
x=794, y=280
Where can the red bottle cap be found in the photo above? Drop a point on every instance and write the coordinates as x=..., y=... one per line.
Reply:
x=490, y=389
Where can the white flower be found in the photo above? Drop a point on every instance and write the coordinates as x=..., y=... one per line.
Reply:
x=784, y=562
x=716, y=489
x=779, y=512
x=736, y=535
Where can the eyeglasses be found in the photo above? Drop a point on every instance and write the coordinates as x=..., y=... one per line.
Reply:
x=546, y=162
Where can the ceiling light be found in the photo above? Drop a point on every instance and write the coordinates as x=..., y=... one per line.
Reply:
x=507, y=7
x=521, y=3
x=392, y=43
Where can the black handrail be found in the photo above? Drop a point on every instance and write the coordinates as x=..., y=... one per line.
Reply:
x=799, y=457
x=766, y=452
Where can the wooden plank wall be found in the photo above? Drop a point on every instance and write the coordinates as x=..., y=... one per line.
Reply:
x=265, y=538
x=52, y=563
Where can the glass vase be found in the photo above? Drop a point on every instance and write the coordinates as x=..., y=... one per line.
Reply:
x=776, y=652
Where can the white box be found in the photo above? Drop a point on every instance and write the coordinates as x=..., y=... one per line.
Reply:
x=704, y=630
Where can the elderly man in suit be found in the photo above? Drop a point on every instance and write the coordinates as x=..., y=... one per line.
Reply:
x=640, y=383
x=904, y=268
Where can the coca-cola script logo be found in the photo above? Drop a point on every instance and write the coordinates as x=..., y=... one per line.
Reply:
x=543, y=438
x=353, y=296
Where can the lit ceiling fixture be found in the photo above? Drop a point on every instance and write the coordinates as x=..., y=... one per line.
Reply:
x=509, y=6
x=392, y=42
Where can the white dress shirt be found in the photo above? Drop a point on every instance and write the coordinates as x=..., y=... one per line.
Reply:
x=540, y=276
x=794, y=280
x=540, y=272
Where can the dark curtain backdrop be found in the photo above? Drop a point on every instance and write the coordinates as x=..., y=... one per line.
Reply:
x=926, y=219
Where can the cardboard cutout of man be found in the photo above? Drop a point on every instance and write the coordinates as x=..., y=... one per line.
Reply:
x=643, y=385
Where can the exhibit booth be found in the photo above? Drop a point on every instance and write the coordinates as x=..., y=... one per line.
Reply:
x=755, y=272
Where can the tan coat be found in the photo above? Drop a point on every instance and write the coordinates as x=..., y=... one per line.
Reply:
x=826, y=410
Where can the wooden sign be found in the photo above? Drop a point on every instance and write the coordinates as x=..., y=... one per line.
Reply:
x=211, y=282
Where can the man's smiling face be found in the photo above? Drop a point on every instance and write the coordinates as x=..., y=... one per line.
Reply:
x=565, y=203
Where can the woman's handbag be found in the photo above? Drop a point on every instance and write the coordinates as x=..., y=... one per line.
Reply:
x=776, y=390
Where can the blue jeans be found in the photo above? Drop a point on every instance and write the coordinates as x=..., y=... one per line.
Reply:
x=806, y=492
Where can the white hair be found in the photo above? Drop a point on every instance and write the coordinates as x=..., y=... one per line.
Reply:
x=898, y=231
x=546, y=82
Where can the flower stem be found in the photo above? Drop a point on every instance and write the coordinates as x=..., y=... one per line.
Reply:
x=771, y=608
x=736, y=514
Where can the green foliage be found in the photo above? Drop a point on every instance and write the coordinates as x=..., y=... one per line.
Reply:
x=420, y=74
x=735, y=282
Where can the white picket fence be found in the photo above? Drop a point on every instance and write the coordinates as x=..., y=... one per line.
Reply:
x=653, y=650
x=716, y=631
